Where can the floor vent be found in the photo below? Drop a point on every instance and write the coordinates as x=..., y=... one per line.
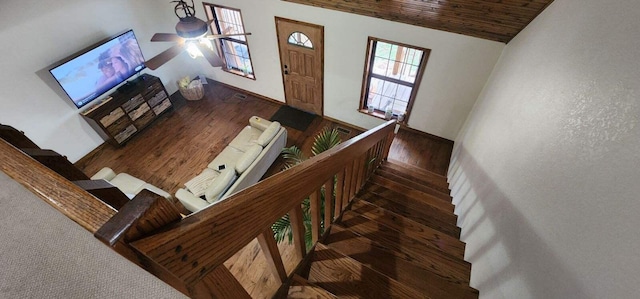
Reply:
x=343, y=130
x=240, y=96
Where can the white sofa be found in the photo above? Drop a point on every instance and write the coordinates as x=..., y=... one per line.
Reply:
x=128, y=184
x=241, y=164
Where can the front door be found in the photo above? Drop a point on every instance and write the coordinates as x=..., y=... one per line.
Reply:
x=302, y=58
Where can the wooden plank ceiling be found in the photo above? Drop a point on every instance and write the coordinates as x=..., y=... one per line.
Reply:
x=498, y=20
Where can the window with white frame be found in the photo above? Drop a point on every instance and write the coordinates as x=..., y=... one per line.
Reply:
x=234, y=49
x=392, y=74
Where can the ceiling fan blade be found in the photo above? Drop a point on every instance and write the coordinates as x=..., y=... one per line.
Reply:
x=214, y=36
x=211, y=56
x=166, y=37
x=163, y=57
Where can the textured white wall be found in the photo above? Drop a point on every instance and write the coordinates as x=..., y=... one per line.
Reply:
x=36, y=35
x=457, y=70
x=545, y=171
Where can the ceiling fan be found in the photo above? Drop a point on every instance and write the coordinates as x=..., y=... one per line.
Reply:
x=191, y=34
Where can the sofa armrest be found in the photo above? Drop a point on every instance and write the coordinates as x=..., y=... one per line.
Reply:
x=259, y=123
x=105, y=173
x=190, y=201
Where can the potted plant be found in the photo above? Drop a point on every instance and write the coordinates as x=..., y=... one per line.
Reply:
x=325, y=140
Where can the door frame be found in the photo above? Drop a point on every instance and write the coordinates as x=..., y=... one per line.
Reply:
x=321, y=28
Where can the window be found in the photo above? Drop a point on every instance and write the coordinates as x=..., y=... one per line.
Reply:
x=300, y=39
x=393, y=72
x=235, y=49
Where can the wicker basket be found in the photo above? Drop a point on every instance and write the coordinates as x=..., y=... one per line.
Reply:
x=194, y=92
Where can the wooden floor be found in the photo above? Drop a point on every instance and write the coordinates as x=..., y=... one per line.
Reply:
x=179, y=145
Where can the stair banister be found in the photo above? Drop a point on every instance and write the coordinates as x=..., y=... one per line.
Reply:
x=63, y=195
x=203, y=241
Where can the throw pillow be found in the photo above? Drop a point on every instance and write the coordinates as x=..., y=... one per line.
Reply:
x=247, y=158
x=220, y=185
x=201, y=182
x=268, y=134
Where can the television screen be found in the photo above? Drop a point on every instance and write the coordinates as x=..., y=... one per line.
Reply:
x=92, y=73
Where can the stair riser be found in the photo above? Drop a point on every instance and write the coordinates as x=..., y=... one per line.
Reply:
x=409, y=203
x=346, y=278
x=439, y=185
x=421, y=218
x=411, y=194
x=410, y=228
x=392, y=265
x=420, y=173
x=444, y=265
x=412, y=183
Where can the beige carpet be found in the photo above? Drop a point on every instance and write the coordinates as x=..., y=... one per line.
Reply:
x=43, y=254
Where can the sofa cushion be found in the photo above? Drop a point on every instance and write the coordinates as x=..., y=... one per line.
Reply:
x=127, y=183
x=105, y=173
x=228, y=157
x=220, y=184
x=247, y=158
x=268, y=134
x=201, y=182
x=246, y=138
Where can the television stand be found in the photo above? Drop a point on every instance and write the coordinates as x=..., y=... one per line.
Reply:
x=129, y=110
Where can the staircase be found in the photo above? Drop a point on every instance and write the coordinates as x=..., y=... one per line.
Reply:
x=397, y=239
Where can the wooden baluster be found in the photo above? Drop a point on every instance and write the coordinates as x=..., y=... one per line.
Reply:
x=354, y=178
x=328, y=203
x=387, y=145
x=361, y=169
x=347, y=186
x=297, y=227
x=339, y=194
x=314, y=199
x=269, y=247
x=380, y=151
x=219, y=283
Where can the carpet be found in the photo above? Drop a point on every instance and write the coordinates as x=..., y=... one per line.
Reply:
x=293, y=118
x=46, y=255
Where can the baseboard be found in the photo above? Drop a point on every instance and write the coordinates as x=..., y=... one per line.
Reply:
x=253, y=94
x=354, y=127
x=425, y=134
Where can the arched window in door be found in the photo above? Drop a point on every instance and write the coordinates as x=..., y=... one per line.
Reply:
x=300, y=39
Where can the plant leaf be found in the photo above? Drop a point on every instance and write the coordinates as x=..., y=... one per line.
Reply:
x=292, y=156
x=325, y=140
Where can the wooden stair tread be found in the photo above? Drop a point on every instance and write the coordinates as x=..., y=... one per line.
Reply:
x=420, y=216
x=303, y=289
x=414, y=184
x=437, y=184
x=402, y=200
x=396, y=266
x=418, y=172
x=441, y=263
x=411, y=193
x=347, y=278
x=410, y=228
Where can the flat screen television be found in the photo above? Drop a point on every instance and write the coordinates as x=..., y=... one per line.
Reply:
x=101, y=67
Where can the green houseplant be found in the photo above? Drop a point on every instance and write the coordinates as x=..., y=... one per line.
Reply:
x=325, y=140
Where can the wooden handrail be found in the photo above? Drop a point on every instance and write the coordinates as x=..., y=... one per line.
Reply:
x=60, y=193
x=208, y=238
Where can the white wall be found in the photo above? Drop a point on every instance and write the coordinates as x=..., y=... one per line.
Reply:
x=36, y=35
x=457, y=69
x=545, y=171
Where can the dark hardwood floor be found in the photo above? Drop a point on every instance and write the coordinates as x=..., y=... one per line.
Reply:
x=180, y=144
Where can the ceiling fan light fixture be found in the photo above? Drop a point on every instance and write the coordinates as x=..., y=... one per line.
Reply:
x=191, y=27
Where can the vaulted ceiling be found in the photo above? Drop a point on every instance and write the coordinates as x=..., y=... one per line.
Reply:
x=498, y=20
